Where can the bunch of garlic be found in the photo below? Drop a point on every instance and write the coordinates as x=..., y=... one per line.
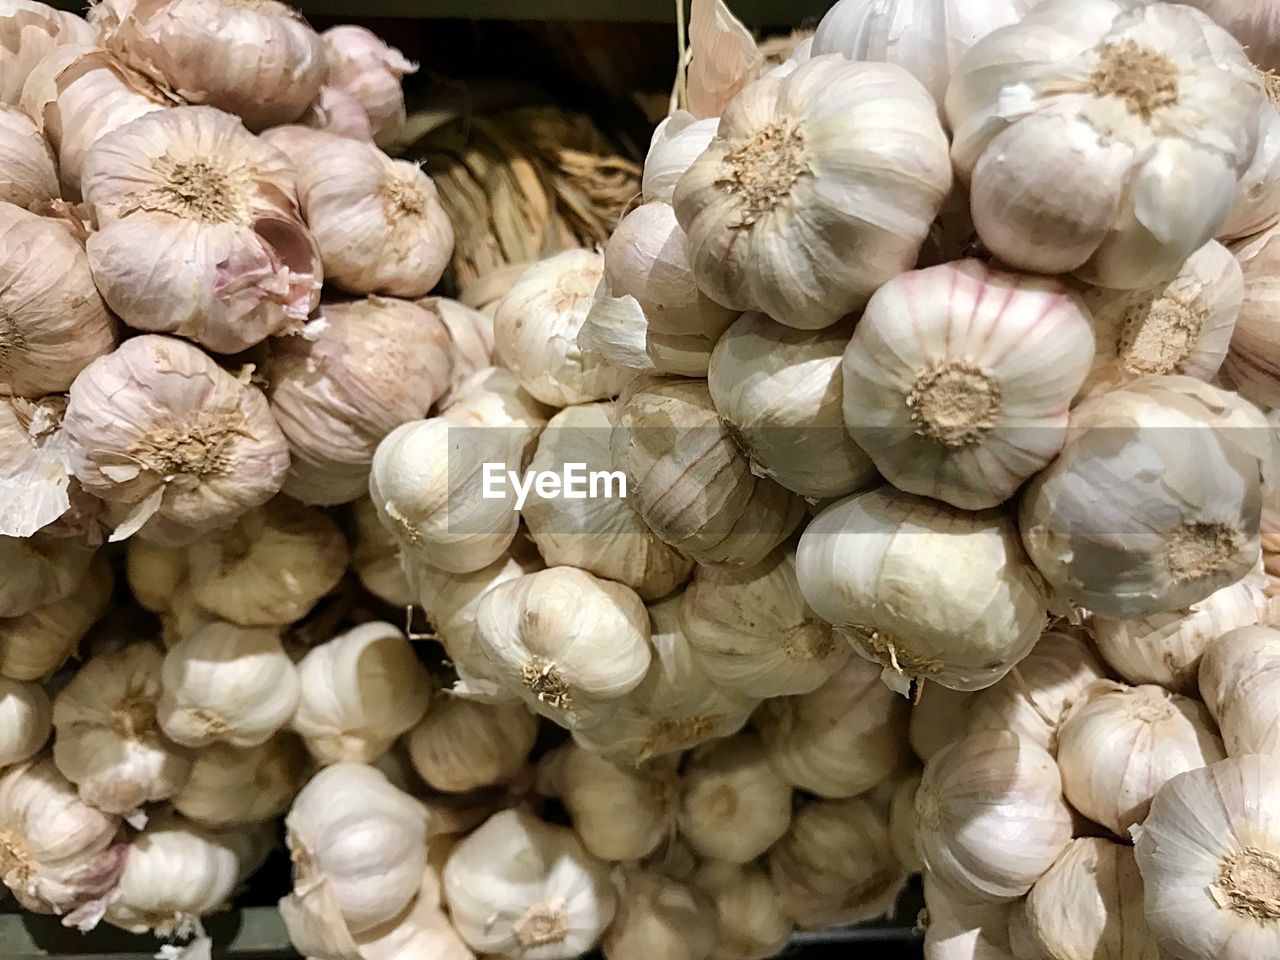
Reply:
x=620, y=813
x=1239, y=679
x=462, y=745
x=36, y=644
x=660, y=917
x=230, y=786
x=369, y=71
x=733, y=805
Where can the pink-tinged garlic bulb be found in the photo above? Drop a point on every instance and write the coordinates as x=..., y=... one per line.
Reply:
x=52, y=321
x=369, y=71
x=28, y=31
x=378, y=221
x=27, y=173
x=297, y=141
x=258, y=60
x=158, y=429
x=198, y=230
x=374, y=364
x=1253, y=361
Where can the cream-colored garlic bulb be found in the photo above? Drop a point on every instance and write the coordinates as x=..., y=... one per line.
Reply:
x=1118, y=745
x=55, y=323
x=841, y=739
x=59, y=855
x=1239, y=679
x=259, y=61
x=779, y=391
x=620, y=813
x=35, y=474
x=462, y=745
x=1257, y=202
x=375, y=557
x=107, y=740
x=536, y=329
x=179, y=444
x=333, y=112
x=677, y=141
x=1154, y=502
x=230, y=786
x=26, y=719
x=359, y=691
x=570, y=644
x=155, y=574
x=271, y=567
x=688, y=479
x=821, y=139
x=902, y=822
x=377, y=363
x=523, y=888
x=938, y=717
x=227, y=684
x=28, y=176
x=366, y=68
x=1251, y=361
x=599, y=532
x=378, y=222
x=36, y=644
x=733, y=805
x=39, y=570
x=927, y=591
x=752, y=925
x=990, y=816
x=1128, y=193
x=660, y=917
x=28, y=31
x=959, y=379
x=835, y=866
x=183, y=618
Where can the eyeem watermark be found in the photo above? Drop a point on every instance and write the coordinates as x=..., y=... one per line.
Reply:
x=573, y=482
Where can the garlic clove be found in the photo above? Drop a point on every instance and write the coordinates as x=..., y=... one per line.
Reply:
x=370, y=71
x=461, y=745
x=733, y=806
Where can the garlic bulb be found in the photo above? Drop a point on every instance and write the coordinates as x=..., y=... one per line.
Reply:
x=57, y=854
x=271, y=567
x=779, y=391
x=359, y=691
x=927, y=591
x=377, y=363
x=902, y=823
x=258, y=61
x=1253, y=24
x=28, y=175
x=752, y=925
x=733, y=806
x=660, y=917
x=35, y=474
x=462, y=745
x=689, y=481
x=54, y=322
x=938, y=717
x=526, y=889
x=36, y=644
x=536, y=329
x=155, y=574
x=1240, y=684
x=27, y=720
x=990, y=817
x=375, y=557
x=421, y=930
x=39, y=570
x=28, y=31
x=797, y=173
x=227, y=684
x=569, y=644
x=1154, y=502
x=599, y=532
x=677, y=141
x=959, y=379
x=1209, y=854
x=1129, y=194
x=835, y=865
x=957, y=929
x=230, y=786
x=1251, y=362
x=378, y=222
x=1257, y=203
x=620, y=813
x=841, y=739
x=470, y=337
x=334, y=112
x=363, y=66
x=160, y=430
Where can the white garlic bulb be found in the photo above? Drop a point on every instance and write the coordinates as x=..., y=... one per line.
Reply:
x=39, y=570
x=107, y=739
x=959, y=379
x=660, y=917
x=375, y=557
x=1240, y=683
x=36, y=644
x=523, y=888
x=27, y=719
x=957, y=929
x=471, y=340
x=835, y=866
x=677, y=141
x=359, y=691
x=29, y=176
x=780, y=390
x=422, y=930
x=791, y=147
x=367, y=69
x=841, y=739
x=752, y=924
x=925, y=590
x=1251, y=361
x=733, y=805
x=1129, y=194
x=938, y=717
x=28, y=31
x=230, y=786
x=990, y=816
x=620, y=813
x=462, y=745
x=227, y=684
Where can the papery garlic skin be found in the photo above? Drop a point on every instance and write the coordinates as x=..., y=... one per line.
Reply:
x=26, y=719
x=817, y=140
x=461, y=745
x=28, y=175
x=660, y=917
x=370, y=71
x=230, y=786
x=1257, y=203
x=752, y=924
x=1108, y=207
x=620, y=813
x=1239, y=679
x=959, y=379
x=990, y=815
x=39, y=570
x=36, y=644
x=1251, y=361
x=28, y=31
x=676, y=143
x=35, y=474
x=733, y=806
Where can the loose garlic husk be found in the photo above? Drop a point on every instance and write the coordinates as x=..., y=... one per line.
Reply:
x=38, y=571
x=752, y=925
x=462, y=745
x=271, y=568
x=1110, y=93
x=35, y=470
x=688, y=479
x=259, y=61
x=990, y=816
x=364, y=67
x=787, y=148
x=35, y=645
x=660, y=917
x=1154, y=502
x=230, y=786
x=835, y=866
x=677, y=141
x=959, y=379
x=359, y=691
x=227, y=684
x=620, y=813
x=733, y=805
x=779, y=391
x=158, y=429
x=378, y=222
x=523, y=888
x=28, y=176
x=841, y=739
x=1239, y=679
x=28, y=31
x=375, y=557
x=927, y=591
x=1251, y=362
x=53, y=322
x=26, y=719
x=600, y=532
